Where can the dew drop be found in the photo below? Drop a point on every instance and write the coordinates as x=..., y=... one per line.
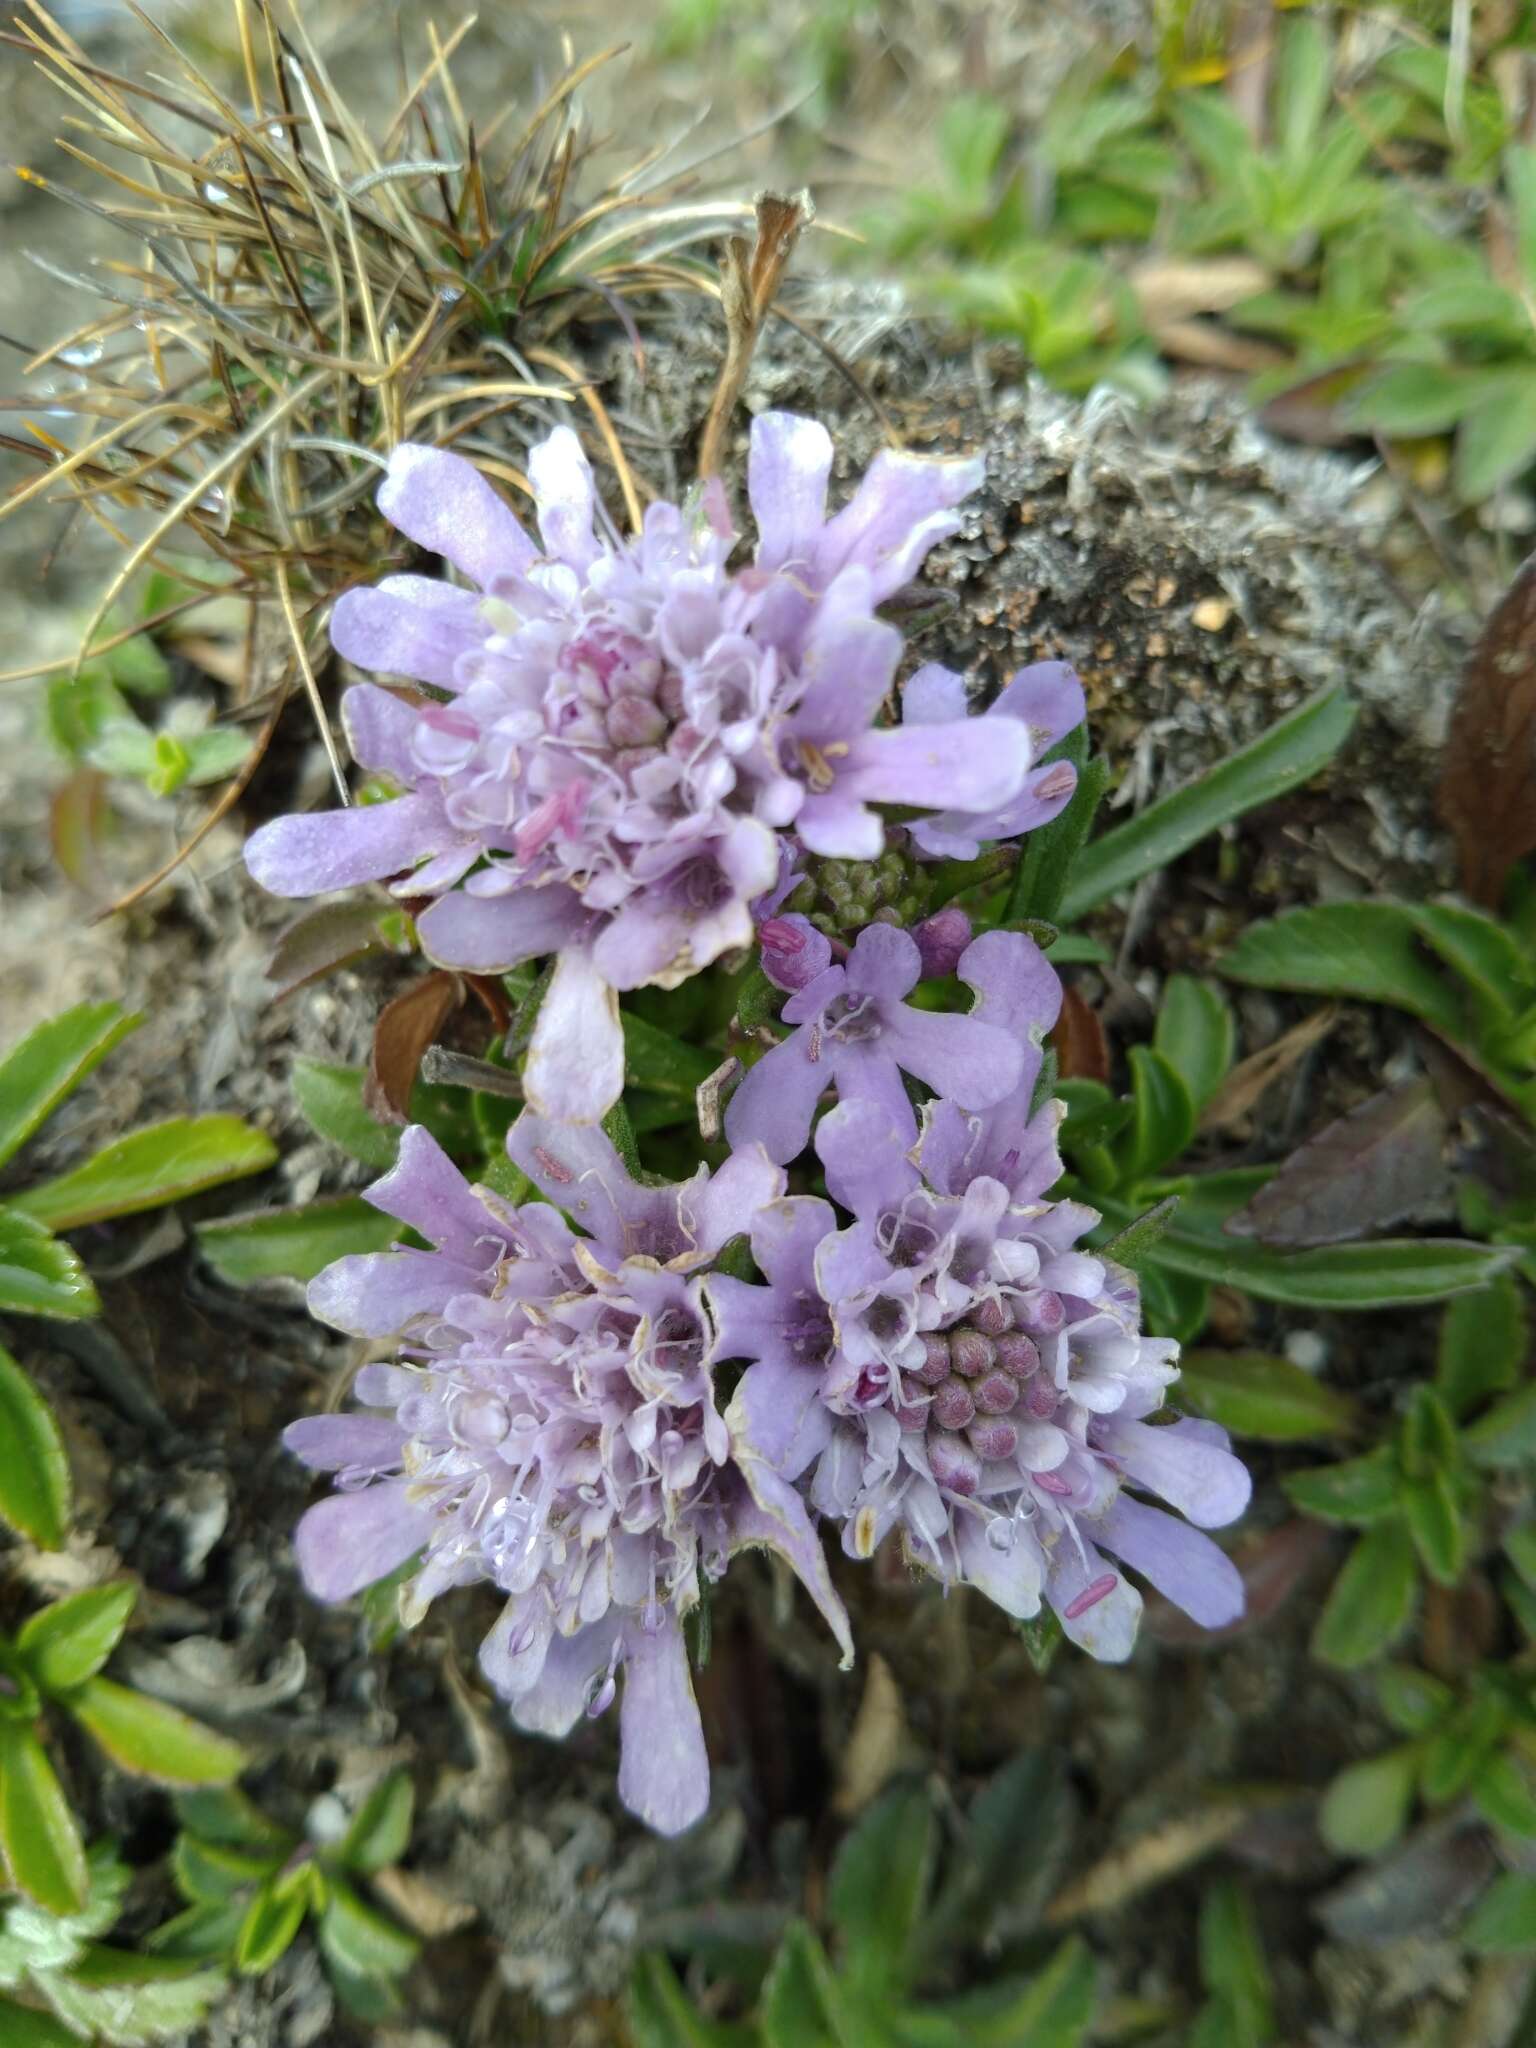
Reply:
x=82, y=355
x=215, y=193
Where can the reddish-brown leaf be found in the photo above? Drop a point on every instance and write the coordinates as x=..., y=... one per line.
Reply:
x=1487, y=791
x=79, y=818
x=406, y=1027
x=1082, y=1051
x=321, y=940
x=1363, y=1172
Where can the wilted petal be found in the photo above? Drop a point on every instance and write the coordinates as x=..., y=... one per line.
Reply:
x=573, y=1666
x=788, y=462
x=561, y=478
x=663, y=1765
x=1185, y=1566
x=489, y=934
x=311, y=852
x=775, y=1517
x=414, y=626
x=350, y=1540
x=1107, y=1627
x=443, y=503
x=575, y=1068
x=1009, y=1572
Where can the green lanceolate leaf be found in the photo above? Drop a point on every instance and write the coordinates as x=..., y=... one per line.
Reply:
x=1162, y=1116
x=152, y=1740
x=1054, y=2009
x=162, y=1163
x=1255, y=1394
x=661, y=2014
x=212, y=1873
x=1232, y=1962
x=655, y=1060
x=1195, y=1034
x=1137, y=1243
x=800, y=2002
x=293, y=1244
x=381, y=1831
x=1412, y=1701
x=130, y=2000
x=271, y=1921
x=1281, y=759
x=1372, y=1598
x=877, y=1891
x=1388, y=1272
x=330, y=1100
x=1484, y=953
x=40, y=1275
x=39, y=1841
x=34, y=1472
x=362, y=1940
x=1050, y=855
x=1505, y=1920
x=202, y=1932
x=51, y=1062
x=1371, y=950
x=1505, y=1794
x=1366, y=1808
x=1506, y=1433
x=22, y=2027
x=65, y=1644
x=225, y=1814
x=1356, y=1493
x=1484, y=1339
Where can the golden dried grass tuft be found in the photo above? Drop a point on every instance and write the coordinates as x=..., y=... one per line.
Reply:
x=298, y=294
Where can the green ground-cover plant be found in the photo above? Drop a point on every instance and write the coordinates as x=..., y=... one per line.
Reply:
x=898, y=1917
x=61, y=1984
x=251, y=1885
x=54, y=1663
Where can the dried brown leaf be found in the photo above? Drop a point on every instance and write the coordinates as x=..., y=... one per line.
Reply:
x=1148, y=1860
x=750, y=275
x=1487, y=793
x=321, y=940
x=876, y=1743
x=406, y=1027
x=1251, y=1077
x=1365, y=1171
x=1082, y=1051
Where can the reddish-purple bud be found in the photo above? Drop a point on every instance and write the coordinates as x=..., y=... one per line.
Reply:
x=992, y=1316
x=972, y=1353
x=941, y=939
x=953, y=1406
x=1017, y=1354
x=953, y=1465
x=635, y=722
x=793, y=951
x=912, y=1407
x=996, y=1394
x=935, y=1366
x=1043, y=1313
x=993, y=1436
x=1041, y=1395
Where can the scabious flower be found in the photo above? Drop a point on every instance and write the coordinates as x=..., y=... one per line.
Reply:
x=855, y=1033
x=621, y=728
x=1048, y=699
x=551, y=1427
x=951, y=1365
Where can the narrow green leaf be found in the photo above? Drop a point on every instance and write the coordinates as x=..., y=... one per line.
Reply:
x=1254, y=1393
x=40, y=1275
x=22, y=2027
x=1283, y=758
x=878, y=1889
x=1054, y=2009
x=1356, y=1493
x=67, y=1643
x=661, y=2014
x=330, y=1100
x=1137, y=1243
x=211, y=1873
x=1482, y=951
x=1195, y=1033
x=1232, y=1962
x=51, y=1062
x=39, y=1841
x=1411, y=399
x=1385, y=1273
x=360, y=1939
x=1461, y=1745
x=1505, y=1919
x=152, y=1740
x=1427, y=1436
x=1506, y=1434
x=1412, y=1701
x=201, y=1932
x=292, y=1244
x=1484, y=1339
x=1050, y=855
x=1505, y=1793
x=381, y=1829
x=34, y=1472
x=161, y=1163
x=268, y=1929
x=1366, y=1808
x=1372, y=1598
x=800, y=1998
x=230, y=1817
x=1371, y=950
x=1496, y=441
x=1162, y=1116
x=654, y=1059
x=1435, y=1523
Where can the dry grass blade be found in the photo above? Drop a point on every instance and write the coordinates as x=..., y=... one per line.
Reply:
x=750, y=276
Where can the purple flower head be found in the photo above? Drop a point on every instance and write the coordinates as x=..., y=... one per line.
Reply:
x=551, y=1427
x=856, y=1034
x=950, y=1365
x=621, y=727
x=1048, y=700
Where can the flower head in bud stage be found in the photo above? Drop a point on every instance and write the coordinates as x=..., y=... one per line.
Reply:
x=948, y=1364
x=551, y=1428
x=621, y=727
